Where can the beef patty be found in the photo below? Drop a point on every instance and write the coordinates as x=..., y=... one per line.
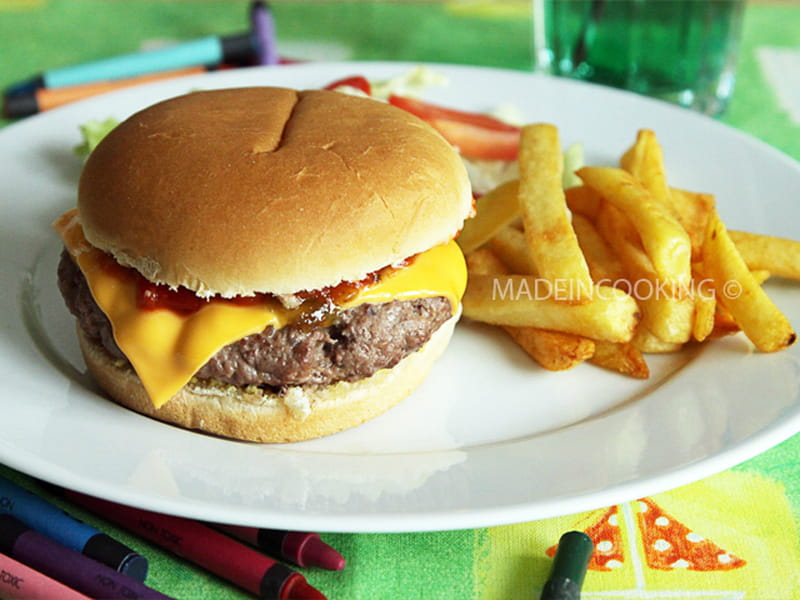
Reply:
x=359, y=341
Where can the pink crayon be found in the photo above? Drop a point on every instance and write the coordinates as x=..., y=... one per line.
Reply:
x=68, y=566
x=19, y=582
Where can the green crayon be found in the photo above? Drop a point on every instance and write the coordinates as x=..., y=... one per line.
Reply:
x=569, y=567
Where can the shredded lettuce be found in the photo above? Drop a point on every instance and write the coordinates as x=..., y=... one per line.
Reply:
x=92, y=132
x=485, y=175
x=508, y=113
x=573, y=160
x=411, y=83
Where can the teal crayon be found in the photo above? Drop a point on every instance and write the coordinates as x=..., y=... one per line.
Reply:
x=48, y=519
x=207, y=51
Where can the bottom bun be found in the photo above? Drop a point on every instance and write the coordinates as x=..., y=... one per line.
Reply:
x=253, y=414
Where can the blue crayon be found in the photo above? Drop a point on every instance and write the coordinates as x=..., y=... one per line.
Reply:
x=73, y=569
x=49, y=520
x=210, y=51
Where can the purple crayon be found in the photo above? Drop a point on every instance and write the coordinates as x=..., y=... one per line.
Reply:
x=263, y=26
x=71, y=568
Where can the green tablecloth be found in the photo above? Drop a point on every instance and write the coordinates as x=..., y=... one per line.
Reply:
x=748, y=514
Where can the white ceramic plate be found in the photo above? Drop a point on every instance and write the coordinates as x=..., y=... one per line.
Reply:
x=489, y=439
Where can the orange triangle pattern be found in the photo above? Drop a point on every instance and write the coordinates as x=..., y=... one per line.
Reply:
x=607, y=539
x=669, y=544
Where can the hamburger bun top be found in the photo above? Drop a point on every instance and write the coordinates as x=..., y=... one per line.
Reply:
x=265, y=189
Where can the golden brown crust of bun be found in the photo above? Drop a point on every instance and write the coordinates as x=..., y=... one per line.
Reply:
x=264, y=417
x=270, y=189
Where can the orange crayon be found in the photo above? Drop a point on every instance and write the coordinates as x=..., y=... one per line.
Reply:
x=38, y=100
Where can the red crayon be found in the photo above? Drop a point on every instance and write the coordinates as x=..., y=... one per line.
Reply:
x=304, y=549
x=208, y=549
x=20, y=582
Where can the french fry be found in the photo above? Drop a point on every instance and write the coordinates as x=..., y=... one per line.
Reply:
x=724, y=324
x=551, y=239
x=779, y=256
x=693, y=210
x=484, y=261
x=511, y=247
x=761, y=275
x=518, y=300
x=622, y=357
x=645, y=341
x=645, y=161
x=738, y=291
x=712, y=321
x=670, y=318
x=553, y=350
x=705, y=307
x=583, y=201
x=663, y=238
x=493, y=211
x=604, y=266
x=538, y=266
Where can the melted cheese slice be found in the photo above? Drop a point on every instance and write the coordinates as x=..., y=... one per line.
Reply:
x=166, y=348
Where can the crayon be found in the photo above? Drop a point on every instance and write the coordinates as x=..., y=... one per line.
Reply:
x=37, y=513
x=302, y=548
x=207, y=548
x=20, y=582
x=30, y=102
x=569, y=567
x=211, y=50
x=263, y=25
x=71, y=568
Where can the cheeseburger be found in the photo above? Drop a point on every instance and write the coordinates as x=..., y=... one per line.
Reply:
x=264, y=263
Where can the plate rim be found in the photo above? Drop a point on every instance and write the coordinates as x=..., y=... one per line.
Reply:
x=432, y=521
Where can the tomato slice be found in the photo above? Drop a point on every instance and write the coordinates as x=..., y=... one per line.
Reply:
x=358, y=82
x=476, y=135
x=478, y=142
x=428, y=111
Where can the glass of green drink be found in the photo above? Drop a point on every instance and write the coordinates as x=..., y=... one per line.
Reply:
x=683, y=51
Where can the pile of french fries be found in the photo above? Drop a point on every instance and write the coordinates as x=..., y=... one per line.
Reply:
x=617, y=266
